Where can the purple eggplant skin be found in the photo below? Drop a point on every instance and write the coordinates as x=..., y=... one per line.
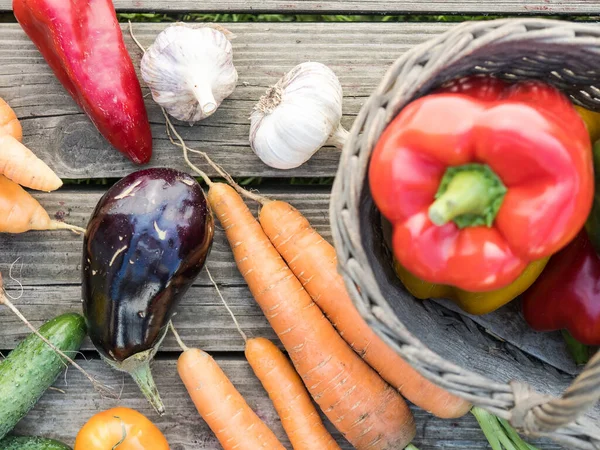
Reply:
x=146, y=242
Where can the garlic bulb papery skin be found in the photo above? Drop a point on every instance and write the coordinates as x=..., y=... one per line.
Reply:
x=190, y=71
x=297, y=116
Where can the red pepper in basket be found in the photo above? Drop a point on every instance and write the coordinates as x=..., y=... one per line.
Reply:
x=82, y=42
x=481, y=178
x=567, y=294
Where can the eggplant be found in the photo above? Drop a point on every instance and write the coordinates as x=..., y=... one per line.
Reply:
x=146, y=242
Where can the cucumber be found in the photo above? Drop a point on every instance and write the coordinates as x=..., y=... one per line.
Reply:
x=32, y=367
x=31, y=443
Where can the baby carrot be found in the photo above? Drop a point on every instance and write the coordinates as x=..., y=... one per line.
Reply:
x=313, y=260
x=220, y=404
x=298, y=415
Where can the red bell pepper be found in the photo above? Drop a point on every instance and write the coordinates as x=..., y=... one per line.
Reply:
x=567, y=294
x=82, y=42
x=481, y=178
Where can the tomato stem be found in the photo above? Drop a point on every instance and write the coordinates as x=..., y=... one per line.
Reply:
x=469, y=195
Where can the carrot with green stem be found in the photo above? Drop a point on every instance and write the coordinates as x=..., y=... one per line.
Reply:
x=20, y=212
x=220, y=404
x=293, y=404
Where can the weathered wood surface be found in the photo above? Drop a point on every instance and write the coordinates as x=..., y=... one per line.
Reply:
x=60, y=134
x=60, y=415
x=51, y=276
x=571, y=7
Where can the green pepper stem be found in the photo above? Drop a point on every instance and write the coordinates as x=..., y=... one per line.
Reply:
x=469, y=195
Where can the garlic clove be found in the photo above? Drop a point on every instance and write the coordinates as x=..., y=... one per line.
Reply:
x=190, y=71
x=297, y=116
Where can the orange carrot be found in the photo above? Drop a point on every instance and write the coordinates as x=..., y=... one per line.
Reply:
x=9, y=124
x=369, y=412
x=219, y=403
x=20, y=212
x=298, y=415
x=20, y=165
x=313, y=260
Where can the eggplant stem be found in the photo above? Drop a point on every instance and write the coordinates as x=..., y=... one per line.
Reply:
x=410, y=447
x=142, y=375
x=237, y=324
x=171, y=130
x=184, y=347
x=101, y=388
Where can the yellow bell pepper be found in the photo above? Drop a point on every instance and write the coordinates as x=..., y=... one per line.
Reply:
x=592, y=122
x=476, y=303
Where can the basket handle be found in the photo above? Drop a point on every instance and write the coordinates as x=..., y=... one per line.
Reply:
x=535, y=413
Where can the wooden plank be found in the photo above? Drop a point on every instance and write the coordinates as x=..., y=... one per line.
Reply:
x=53, y=258
x=51, y=276
x=571, y=7
x=60, y=134
x=60, y=416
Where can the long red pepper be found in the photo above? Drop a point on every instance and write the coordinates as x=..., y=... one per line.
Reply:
x=82, y=42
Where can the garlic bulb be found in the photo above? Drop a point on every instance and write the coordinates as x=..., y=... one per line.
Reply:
x=297, y=116
x=190, y=70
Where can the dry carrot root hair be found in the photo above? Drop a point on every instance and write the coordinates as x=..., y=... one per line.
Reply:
x=299, y=417
x=102, y=389
x=20, y=212
x=313, y=260
x=220, y=404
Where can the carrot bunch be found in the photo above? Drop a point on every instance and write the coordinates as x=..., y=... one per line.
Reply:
x=19, y=211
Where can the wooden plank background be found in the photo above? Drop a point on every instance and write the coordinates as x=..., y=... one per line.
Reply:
x=63, y=136
x=571, y=7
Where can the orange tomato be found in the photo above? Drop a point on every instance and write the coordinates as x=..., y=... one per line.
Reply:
x=122, y=428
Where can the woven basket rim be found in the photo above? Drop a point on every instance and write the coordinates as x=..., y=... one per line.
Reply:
x=443, y=57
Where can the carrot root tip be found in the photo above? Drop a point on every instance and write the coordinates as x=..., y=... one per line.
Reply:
x=56, y=225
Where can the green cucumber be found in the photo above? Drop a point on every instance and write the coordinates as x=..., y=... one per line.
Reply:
x=32, y=367
x=31, y=443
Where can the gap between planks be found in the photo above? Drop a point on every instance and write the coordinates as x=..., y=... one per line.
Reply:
x=530, y=7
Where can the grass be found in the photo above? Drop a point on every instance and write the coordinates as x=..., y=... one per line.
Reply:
x=228, y=17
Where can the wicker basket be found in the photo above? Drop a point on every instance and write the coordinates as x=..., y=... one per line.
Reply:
x=564, y=54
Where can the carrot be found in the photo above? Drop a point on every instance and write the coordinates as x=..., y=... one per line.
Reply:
x=20, y=165
x=219, y=403
x=298, y=415
x=313, y=260
x=9, y=123
x=368, y=412
x=20, y=212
